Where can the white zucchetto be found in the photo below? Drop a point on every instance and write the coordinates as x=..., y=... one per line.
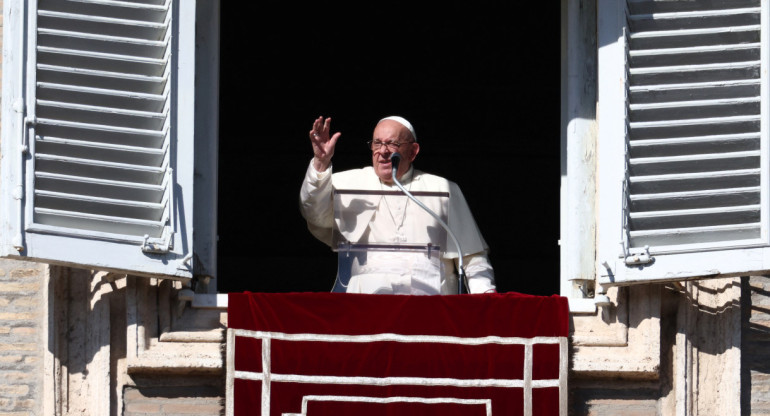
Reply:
x=403, y=122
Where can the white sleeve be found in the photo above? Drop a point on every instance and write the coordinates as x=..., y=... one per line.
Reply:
x=478, y=270
x=315, y=203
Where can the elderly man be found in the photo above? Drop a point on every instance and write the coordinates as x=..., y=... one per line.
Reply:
x=391, y=218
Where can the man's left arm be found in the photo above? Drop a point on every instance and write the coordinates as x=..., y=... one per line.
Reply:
x=478, y=270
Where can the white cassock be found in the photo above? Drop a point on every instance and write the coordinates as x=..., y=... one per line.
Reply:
x=389, y=219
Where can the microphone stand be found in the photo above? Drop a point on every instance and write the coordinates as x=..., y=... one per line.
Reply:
x=462, y=288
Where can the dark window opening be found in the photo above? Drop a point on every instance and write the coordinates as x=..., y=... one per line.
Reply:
x=480, y=84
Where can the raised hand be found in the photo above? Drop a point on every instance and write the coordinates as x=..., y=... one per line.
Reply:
x=323, y=145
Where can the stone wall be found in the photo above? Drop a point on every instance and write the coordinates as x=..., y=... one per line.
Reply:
x=173, y=401
x=700, y=359
x=21, y=338
x=175, y=353
x=128, y=345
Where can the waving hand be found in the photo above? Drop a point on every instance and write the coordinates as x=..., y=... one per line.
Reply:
x=323, y=144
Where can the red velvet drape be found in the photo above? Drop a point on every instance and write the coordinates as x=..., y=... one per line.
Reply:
x=343, y=354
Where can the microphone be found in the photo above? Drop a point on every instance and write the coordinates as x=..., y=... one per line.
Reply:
x=395, y=159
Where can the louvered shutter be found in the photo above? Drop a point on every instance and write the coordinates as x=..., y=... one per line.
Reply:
x=97, y=105
x=687, y=139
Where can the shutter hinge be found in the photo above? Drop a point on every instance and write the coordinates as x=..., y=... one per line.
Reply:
x=165, y=243
x=18, y=239
x=186, y=263
x=159, y=247
x=27, y=122
x=636, y=256
x=631, y=256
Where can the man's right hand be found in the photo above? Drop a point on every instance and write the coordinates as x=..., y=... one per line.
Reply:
x=323, y=145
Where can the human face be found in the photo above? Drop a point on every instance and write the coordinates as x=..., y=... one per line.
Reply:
x=393, y=131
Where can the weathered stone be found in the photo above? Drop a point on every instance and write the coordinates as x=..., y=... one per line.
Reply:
x=13, y=390
x=18, y=347
x=24, y=331
x=17, y=316
x=19, y=287
x=25, y=273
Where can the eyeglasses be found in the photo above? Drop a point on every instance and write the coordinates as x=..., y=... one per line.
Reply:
x=392, y=146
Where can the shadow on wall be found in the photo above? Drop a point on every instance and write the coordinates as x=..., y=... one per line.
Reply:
x=755, y=342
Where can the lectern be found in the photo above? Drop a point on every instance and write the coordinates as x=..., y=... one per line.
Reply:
x=408, y=254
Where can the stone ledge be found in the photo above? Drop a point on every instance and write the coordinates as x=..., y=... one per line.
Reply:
x=619, y=341
x=213, y=336
x=616, y=363
x=177, y=358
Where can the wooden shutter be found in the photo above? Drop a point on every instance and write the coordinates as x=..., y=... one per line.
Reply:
x=104, y=154
x=102, y=119
x=694, y=123
x=693, y=142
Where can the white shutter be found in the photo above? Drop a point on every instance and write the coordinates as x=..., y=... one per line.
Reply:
x=685, y=192
x=102, y=126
